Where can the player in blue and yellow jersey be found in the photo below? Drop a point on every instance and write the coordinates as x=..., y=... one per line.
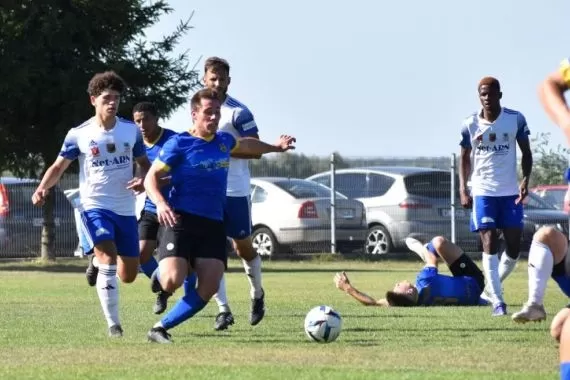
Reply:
x=431, y=288
x=551, y=94
x=194, y=236
x=145, y=116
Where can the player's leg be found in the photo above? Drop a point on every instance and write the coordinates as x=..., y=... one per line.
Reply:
x=511, y=222
x=565, y=351
x=483, y=219
x=239, y=228
x=546, y=258
x=209, y=263
x=558, y=322
x=225, y=318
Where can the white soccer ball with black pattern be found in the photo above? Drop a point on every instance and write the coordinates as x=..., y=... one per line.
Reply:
x=323, y=324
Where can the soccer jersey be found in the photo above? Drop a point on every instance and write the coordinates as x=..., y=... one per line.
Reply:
x=152, y=151
x=199, y=172
x=237, y=120
x=435, y=289
x=105, y=164
x=494, y=151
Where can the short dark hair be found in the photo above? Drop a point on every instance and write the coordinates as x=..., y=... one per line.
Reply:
x=108, y=80
x=491, y=82
x=205, y=93
x=146, y=107
x=215, y=64
x=399, y=299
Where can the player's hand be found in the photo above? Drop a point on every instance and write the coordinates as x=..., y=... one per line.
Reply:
x=341, y=281
x=523, y=192
x=166, y=215
x=39, y=197
x=285, y=143
x=466, y=200
x=136, y=184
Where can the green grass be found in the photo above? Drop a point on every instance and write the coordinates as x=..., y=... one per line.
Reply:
x=51, y=327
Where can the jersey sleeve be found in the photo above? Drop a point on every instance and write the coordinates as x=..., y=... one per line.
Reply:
x=170, y=155
x=426, y=276
x=70, y=148
x=522, y=128
x=465, y=138
x=565, y=70
x=139, y=149
x=244, y=123
x=230, y=141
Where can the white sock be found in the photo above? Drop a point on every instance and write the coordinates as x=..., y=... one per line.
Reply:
x=108, y=292
x=221, y=297
x=491, y=271
x=506, y=266
x=157, y=325
x=253, y=272
x=540, y=264
x=95, y=261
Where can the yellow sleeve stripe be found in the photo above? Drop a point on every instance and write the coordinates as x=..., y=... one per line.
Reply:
x=161, y=165
x=565, y=71
x=235, y=146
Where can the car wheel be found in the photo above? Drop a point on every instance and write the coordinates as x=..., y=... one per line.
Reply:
x=378, y=241
x=264, y=242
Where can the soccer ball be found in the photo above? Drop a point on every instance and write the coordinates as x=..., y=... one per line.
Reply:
x=323, y=324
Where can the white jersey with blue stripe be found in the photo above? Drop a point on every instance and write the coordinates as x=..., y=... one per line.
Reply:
x=237, y=120
x=105, y=163
x=494, y=152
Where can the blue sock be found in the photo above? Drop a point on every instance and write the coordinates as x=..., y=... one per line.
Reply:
x=149, y=267
x=184, y=309
x=565, y=371
x=190, y=283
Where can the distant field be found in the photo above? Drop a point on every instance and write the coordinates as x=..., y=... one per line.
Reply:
x=51, y=327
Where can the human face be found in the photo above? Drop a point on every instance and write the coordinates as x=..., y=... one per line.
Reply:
x=404, y=287
x=148, y=124
x=206, y=117
x=217, y=80
x=490, y=98
x=106, y=103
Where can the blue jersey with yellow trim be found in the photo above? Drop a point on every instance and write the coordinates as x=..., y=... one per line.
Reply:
x=152, y=151
x=435, y=289
x=199, y=172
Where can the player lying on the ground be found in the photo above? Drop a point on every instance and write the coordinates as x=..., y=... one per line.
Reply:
x=547, y=258
x=431, y=288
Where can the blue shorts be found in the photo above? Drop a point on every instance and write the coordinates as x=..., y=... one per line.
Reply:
x=564, y=284
x=565, y=371
x=496, y=212
x=237, y=217
x=100, y=225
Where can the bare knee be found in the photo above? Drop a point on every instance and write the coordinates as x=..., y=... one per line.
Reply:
x=558, y=322
x=438, y=242
x=554, y=240
x=127, y=277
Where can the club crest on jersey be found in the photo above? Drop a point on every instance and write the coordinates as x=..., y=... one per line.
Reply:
x=127, y=147
x=505, y=137
x=492, y=137
x=223, y=148
x=479, y=138
x=111, y=148
x=94, y=148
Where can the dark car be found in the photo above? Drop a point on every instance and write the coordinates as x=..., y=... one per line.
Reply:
x=21, y=222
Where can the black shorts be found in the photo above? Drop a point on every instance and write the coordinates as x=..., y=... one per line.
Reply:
x=148, y=226
x=464, y=266
x=194, y=237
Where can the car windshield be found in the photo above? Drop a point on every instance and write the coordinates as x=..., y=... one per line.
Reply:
x=302, y=189
x=533, y=201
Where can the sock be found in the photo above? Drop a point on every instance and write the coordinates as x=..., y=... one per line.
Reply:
x=540, y=264
x=491, y=271
x=506, y=266
x=221, y=297
x=190, y=283
x=253, y=272
x=149, y=266
x=108, y=292
x=95, y=261
x=184, y=309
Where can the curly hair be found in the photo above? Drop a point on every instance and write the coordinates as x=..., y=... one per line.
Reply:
x=108, y=80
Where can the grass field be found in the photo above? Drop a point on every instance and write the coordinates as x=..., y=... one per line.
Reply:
x=51, y=327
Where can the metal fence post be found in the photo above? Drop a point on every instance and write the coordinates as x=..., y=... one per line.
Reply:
x=452, y=204
x=333, y=202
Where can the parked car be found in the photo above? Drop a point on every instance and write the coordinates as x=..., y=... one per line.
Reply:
x=556, y=194
x=290, y=214
x=538, y=213
x=21, y=222
x=401, y=201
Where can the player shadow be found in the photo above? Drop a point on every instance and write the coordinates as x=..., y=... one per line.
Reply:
x=49, y=268
x=321, y=270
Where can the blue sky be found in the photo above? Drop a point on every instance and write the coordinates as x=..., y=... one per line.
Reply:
x=375, y=78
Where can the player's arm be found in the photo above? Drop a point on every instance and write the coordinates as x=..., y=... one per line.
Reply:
x=343, y=283
x=246, y=126
x=465, y=166
x=153, y=179
x=143, y=164
x=249, y=145
x=551, y=93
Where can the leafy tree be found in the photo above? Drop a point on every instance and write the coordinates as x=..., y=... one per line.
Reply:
x=549, y=164
x=50, y=50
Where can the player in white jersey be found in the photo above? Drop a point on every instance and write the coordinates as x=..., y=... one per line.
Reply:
x=106, y=147
x=551, y=93
x=491, y=136
x=237, y=120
